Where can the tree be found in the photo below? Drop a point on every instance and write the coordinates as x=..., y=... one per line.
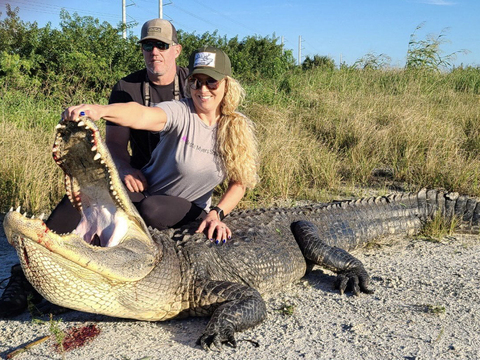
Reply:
x=318, y=61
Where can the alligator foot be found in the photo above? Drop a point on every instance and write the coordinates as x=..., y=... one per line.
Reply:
x=215, y=336
x=350, y=270
x=237, y=308
x=355, y=278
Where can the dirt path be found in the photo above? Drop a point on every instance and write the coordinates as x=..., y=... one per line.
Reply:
x=426, y=306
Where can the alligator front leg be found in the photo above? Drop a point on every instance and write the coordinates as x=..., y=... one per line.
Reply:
x=236, y=308
x=347, y=267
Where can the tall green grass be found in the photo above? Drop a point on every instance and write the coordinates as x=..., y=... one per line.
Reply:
x=322, y=134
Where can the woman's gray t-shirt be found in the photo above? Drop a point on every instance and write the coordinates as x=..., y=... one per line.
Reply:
x=185, y=163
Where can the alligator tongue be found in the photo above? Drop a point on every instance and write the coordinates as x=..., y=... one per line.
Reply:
x=102, y=221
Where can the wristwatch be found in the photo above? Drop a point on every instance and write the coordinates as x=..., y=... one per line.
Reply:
x=219, y=211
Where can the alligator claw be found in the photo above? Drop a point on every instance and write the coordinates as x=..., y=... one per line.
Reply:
x=356, y=279
x=214, y=340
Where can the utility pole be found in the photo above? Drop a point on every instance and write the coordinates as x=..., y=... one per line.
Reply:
x=299, y=61
x=160, y=9
x=124, y=19
x=124, y=16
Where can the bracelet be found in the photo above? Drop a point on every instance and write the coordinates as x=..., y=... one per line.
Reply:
x=219, y=211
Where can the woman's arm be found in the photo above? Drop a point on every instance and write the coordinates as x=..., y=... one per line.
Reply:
x=212, y=222
x=132, y=115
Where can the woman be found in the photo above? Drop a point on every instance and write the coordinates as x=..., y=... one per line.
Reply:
x=203, y=141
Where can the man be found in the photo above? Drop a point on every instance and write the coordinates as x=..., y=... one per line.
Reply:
x=161, y=80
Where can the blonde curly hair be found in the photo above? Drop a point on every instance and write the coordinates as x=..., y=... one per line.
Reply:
x=236, y=141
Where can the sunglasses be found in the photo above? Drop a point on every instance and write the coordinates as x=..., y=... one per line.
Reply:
x=160, y=45
x=196, y=84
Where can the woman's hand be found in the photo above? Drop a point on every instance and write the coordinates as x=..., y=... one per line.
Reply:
x=212, y=225
x=94, y=112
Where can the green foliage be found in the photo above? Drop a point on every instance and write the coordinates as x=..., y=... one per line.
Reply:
x=79, y=62
x=372, y=61
x=467, y=79
x=252, y=57
x=427, y=54
x=438, y=228
x=323, y=62
x=83, y=59
x=319, y=131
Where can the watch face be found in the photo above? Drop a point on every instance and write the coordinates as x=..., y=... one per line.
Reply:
x=219, y=212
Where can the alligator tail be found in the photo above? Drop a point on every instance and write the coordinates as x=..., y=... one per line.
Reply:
x=452, y=207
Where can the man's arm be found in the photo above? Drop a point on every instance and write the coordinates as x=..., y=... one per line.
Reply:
x=117, y=138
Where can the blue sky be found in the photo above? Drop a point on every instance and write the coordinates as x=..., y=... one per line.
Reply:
x=345, y=30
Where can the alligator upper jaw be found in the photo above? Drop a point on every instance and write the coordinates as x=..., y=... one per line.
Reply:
x=92, y=182
x=95, y=189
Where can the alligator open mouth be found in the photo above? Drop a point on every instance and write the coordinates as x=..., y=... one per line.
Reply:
x=92, y=184
x=107, y=215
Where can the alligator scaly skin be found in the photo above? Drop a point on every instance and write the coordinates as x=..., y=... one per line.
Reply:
x=156, y=275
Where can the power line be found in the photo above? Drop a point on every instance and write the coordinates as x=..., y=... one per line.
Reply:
x=32, y=5
x=195, y=16
x=223, y=15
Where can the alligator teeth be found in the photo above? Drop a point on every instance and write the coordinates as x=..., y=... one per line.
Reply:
x=11, y=209
x=97, y=156
x=94, y=148
x=81, y=123
x=41, y=216
x=102, y=162
x=18, y=209
x=60, y=126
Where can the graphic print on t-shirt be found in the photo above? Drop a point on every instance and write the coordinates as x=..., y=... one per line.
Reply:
x=198, y=147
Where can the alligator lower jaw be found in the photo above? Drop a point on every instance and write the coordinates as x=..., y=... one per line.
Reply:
x=32, y=239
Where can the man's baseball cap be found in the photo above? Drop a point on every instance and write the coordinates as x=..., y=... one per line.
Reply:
x=159, y=29
x=210, y=61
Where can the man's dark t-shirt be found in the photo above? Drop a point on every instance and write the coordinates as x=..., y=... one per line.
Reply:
x=130, y=88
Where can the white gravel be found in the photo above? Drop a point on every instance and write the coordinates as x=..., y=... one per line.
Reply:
x=426, y=305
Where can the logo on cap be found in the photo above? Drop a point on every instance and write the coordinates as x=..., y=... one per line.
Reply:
x=204, y=59
x=155, y=29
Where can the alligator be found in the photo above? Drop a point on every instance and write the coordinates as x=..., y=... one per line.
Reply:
x=112, y=264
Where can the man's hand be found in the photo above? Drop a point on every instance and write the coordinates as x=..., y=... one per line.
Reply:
x=133, y=179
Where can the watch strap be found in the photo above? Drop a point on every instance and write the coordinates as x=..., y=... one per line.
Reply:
x=219, y=211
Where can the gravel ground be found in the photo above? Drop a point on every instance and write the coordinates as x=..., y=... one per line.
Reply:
x=425, y=306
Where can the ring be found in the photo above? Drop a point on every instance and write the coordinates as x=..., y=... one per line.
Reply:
x=82, y=113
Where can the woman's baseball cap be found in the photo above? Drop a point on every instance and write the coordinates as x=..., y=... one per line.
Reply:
x=210, y=61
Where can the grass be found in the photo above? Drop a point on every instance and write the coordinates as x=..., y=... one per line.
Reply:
x=435, y=309
x=438, y=228
x=322, y=135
